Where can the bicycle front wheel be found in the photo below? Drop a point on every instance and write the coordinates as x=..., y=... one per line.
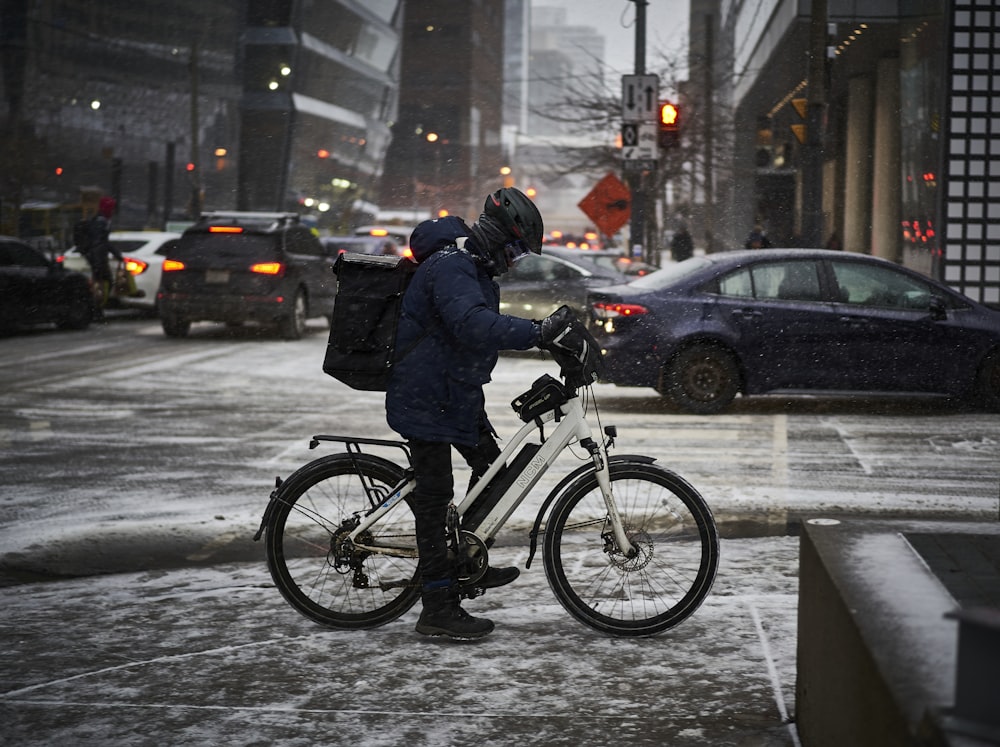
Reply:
x=676, y=542
x=318, y=571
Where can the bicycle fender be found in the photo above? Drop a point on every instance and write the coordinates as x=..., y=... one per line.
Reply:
x=561, y=487
x=265, y=520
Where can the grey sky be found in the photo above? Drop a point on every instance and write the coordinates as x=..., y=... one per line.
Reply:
x=666, y=26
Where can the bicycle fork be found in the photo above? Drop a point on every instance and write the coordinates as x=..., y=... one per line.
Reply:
x=603, y=473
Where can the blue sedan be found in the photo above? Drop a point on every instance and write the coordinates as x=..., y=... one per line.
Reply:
x=706, y=329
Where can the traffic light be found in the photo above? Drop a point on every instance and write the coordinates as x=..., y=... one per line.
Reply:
x=670, y=121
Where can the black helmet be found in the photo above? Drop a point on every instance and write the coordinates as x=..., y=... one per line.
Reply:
x=518, y=215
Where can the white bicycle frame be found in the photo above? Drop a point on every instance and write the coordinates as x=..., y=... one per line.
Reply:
x=572, y=426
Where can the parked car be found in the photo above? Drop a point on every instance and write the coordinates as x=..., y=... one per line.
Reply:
x=237, y=267
x=335, y=245
x=538, y=285
x=706, y=329
x=35, y=289
x=144, y=252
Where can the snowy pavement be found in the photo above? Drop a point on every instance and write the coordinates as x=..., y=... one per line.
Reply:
x=215, y=656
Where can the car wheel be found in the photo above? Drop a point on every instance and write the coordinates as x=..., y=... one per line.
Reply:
x=293, y=326
x=702, y=379
x=79, y=315
x=174, y=327
x=988, y=382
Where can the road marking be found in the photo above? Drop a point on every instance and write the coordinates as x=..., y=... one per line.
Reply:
x=772, y=672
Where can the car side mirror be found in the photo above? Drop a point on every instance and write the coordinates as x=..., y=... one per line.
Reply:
x=937, y=308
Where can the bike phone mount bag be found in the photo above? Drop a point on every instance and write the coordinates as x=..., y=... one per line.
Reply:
x=546, y=394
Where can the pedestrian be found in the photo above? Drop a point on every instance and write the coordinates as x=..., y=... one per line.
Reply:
x=757, y=238
x=681, y=245
x=98, y=248
x=452, y=331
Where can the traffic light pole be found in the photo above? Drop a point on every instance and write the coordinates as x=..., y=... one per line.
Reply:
x=636, y=179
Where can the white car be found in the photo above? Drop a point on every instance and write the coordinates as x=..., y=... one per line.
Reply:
x=144, y=252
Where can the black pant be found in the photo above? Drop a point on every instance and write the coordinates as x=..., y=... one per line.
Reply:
x=433, y=492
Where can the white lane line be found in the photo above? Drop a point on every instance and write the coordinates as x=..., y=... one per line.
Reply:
x=849, y=443
x=772, y=671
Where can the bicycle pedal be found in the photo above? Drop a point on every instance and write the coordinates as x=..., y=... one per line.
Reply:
x=471, y=592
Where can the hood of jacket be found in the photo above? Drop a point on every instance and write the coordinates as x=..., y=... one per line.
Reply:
x=432, y=235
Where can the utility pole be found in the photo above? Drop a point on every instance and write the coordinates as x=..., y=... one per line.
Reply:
x=637, y=179
x=195, y=173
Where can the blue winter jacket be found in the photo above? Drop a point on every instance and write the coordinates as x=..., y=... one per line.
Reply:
x=450, y=333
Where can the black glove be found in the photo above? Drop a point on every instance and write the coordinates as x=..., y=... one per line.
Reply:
x=562, y=332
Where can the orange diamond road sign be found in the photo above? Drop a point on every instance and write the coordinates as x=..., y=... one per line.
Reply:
x=608, y=204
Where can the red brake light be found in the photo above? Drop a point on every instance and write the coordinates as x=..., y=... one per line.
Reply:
x=225, y=229
x=268, y=268
x=135, y=266
x=170, y=265
x=612, y=310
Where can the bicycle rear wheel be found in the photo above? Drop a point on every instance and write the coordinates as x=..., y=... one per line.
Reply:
x=319, y=573
x=672, y=529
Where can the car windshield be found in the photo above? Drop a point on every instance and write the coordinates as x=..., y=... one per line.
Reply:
x=670, y=274
x=228, y=245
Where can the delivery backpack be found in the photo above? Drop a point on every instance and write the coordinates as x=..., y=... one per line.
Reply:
x=366, y=310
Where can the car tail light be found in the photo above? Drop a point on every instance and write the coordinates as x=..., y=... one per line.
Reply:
x=614, y=310
x=225, y=229
x=268, y=268
x=172, y=265
x=135, y=266
x=407, y=252
x=61, y=259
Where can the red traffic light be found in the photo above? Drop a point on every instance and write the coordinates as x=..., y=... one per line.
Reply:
x=669, y=116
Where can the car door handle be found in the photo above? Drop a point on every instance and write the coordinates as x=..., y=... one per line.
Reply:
x=746, y=313
x=854, y=321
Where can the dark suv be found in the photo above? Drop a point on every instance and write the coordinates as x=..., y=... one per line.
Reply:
x=246, y=267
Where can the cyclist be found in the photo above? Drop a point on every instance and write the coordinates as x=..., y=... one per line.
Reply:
x=453, y=331
x=96, y=251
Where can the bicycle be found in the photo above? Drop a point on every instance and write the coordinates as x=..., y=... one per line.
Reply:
x=629, y=548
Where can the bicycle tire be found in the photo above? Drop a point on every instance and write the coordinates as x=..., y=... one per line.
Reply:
x=315, y=505
x=671, y=526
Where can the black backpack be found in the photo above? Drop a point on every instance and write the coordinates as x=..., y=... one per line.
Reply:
x=366, y=311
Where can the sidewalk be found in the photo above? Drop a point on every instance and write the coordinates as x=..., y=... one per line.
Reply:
x=215, y=656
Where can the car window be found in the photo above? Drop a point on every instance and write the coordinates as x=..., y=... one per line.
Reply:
x=736, y=284
x=535, y=268
x=261, y=247
x=127, y=246
x=796, y=281
x=882, y=287
x=786, y=281
x=18, y=255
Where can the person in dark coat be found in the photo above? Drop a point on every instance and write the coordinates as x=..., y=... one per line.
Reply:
x=452, y=331
x=98, y=248
x=757, y=239
x=681, y=245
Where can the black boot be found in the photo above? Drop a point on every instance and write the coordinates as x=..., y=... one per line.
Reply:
x=443, y=615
